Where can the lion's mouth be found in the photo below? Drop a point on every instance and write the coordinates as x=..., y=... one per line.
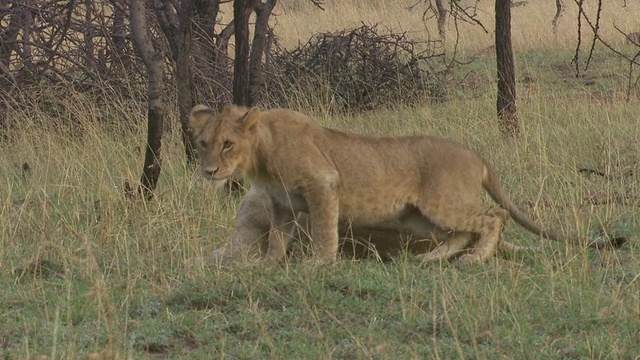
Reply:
x=219, y=177
x=215, y=180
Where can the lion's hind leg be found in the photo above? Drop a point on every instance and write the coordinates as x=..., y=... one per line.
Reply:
x=454, y=245
x=490, y=225
x=484, y=220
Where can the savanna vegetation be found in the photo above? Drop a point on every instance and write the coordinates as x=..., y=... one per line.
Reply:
x=86, y=272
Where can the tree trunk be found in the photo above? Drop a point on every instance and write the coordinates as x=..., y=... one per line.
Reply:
x=442, y=18
x=176, y=27
x=222, y=46
x=89, y=50
x=118, y=38
x=241, y=12
x=9, y=35
x=506, y=103
x=559, y=11
x=184, y=78
x=206, y=12
x=7, y=82
x=27, y=28
x=256, y=76
x=153, y=60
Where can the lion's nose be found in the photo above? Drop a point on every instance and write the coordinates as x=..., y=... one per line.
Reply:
x=211, y=172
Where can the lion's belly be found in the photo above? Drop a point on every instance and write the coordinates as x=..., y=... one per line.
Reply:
x=372, y=207
x=357, y=206
x=288, y=199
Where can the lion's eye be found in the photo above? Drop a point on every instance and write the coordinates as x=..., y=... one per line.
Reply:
x=202, y=144
x=227, y=145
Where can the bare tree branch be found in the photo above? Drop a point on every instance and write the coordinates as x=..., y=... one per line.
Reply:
x=153, y=59
x=557, y=16
x=632, y=60
x=576, y=55
x=318, y=3
x=256, y=75
x=595, y=28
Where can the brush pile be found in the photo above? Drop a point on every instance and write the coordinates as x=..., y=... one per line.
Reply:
x=355, y=69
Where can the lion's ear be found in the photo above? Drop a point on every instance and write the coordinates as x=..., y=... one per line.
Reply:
x=249, y=120
x=228, y=109
x=200, y=116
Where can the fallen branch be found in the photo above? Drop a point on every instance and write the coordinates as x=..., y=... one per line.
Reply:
x=604, y=197
x=628, y=172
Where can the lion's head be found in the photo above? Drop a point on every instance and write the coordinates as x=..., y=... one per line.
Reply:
x=224, y=140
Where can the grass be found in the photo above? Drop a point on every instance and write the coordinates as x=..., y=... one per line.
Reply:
x=89, y=274
x=297, y=20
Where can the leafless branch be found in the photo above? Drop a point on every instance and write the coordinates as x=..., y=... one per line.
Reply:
x=557, y=16
x=595, y=29
x=576, y=55
x=318, y=3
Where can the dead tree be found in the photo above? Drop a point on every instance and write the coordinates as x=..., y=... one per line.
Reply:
x=248, y=75
x=8, y=37
x=176, y=26
x=27, y=30
x=558, y=15
x=90, y=46
x=247, y=69
x=222, y=45
x=118, y=37
x=153, y=60
x=241, y=11
x=204, y=20
x=256, y=74
x=184, y=78
x=7, y=82
x=506, y=101
x=633, y=58
x=442, y=18
x=437, y=11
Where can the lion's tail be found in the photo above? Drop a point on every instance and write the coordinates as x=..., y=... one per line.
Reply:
x=491, y=184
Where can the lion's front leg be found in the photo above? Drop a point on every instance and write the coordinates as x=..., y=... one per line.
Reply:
x=280, y=238
x=281, y=233
x=250, y=235
x=323, y=211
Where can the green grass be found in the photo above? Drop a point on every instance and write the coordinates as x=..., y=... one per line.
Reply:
x=87, y=273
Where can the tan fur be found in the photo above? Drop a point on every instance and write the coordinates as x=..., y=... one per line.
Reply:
x=384, y=241
x=348, y=178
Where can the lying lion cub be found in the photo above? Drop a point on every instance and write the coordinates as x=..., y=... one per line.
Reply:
x=337, y=177
x=385, y=240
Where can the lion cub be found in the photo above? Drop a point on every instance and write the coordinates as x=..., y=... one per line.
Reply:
x=384, y=241
x=338, y=177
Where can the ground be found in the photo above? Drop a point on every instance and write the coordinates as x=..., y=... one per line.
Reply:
x=87, y=273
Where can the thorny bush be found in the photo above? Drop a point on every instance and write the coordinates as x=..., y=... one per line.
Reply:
x=356, y=69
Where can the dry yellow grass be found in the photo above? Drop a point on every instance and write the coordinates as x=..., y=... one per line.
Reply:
x=88, y=273
x=298, y=20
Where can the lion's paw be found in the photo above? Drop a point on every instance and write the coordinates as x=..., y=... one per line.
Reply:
x=469, y=259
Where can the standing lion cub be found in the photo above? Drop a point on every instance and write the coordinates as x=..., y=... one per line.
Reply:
x=384, y=241
x=338, y=177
